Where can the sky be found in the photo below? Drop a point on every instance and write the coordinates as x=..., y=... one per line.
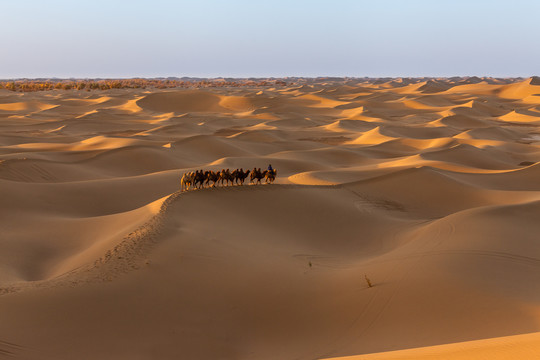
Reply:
x=277, y=38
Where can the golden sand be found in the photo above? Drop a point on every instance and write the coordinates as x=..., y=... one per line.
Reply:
x=430, y=188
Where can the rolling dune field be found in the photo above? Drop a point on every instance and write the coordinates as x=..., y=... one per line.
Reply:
x=429, y=188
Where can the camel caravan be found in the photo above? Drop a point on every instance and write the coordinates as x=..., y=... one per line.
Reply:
x=200, y=179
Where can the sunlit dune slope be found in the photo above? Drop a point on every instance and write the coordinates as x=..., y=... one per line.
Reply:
x=509, y=347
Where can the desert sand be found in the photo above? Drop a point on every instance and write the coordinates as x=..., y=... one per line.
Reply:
x=429, y=187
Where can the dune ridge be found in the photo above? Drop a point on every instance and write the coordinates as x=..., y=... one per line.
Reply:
x=428, y=187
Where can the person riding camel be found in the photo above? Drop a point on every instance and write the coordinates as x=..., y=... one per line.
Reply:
x=270, y=168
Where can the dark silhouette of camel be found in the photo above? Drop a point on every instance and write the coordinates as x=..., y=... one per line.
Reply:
x=225, y=176
x=240, y=176
x=211, y=176
x=199, y=179
x=256, y=175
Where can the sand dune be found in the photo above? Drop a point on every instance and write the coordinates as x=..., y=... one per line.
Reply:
x=180, y=101
x=429, y=187
x=508, y=347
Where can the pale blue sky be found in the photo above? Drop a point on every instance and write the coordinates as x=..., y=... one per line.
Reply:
x=241, y=38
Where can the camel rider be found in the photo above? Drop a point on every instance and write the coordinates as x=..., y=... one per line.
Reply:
x=270, y=168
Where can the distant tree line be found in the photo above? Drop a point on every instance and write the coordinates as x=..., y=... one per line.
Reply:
x=88, y=85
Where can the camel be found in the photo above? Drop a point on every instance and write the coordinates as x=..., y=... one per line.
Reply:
x=241, y=176
x=225, y=176
x=270, y=175
x=230, y=178
x=211, y=176
x=257, y=175
x=198, y=180
x=234, y=174
x=187, y=180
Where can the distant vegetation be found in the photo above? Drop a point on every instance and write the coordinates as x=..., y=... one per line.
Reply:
x=106, y=84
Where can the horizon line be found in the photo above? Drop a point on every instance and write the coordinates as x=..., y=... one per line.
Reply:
x=264, y=77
